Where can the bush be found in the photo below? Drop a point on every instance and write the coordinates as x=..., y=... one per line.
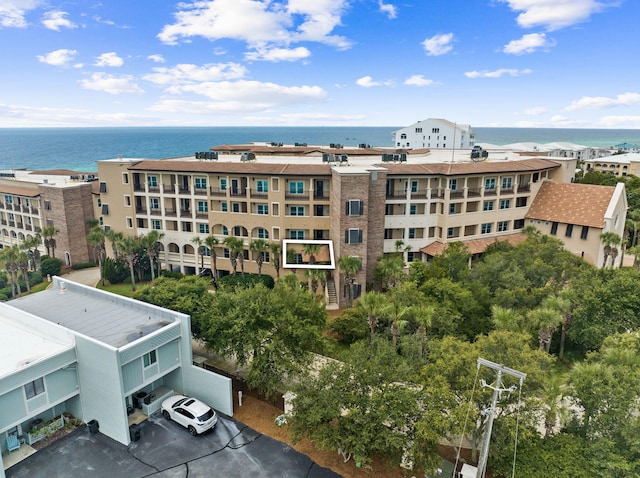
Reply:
x=115, y=270
x=35, y=277
x=4, y=280
x=350, y=326
x=172, y=275
x=50, y=266
x=233, y=280
x=84, y=265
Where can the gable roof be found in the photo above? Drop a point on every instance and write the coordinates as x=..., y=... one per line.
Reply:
x=579, y=204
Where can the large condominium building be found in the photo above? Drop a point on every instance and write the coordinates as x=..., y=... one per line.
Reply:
x=434, y=133
x=33, y=200
x=348, y=202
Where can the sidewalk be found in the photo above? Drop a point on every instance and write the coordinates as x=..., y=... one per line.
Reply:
x=88, y=277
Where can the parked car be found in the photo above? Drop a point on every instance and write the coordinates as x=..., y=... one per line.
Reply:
x=191, y=413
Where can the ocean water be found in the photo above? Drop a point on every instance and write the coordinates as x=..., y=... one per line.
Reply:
x=79, y=148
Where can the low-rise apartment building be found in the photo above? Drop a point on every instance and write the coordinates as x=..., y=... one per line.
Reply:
x=33, y=200
x=356, y=205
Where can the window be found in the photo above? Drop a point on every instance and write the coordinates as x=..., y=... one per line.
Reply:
x=262, y=209
x=34, y=388
x=490, y=183
x=451, y=232
x=521, y=201
x=585, y=232
x=388, y=233
x=418, y=130
x=12, y=216
x=503, y=226
x=47, y=204
x=296, y=234
x=225, y=253
x=200, y=183
x=353, y=236
x=554, y=228
x=9, y=199
x=452, y=208
x=505, y=203
x=412, y=233
x=105, y=209
x=435, y=130
x=225, y=231
x=354, y=207
x=156, y=224
x=518, y=224
x=507, y=183
x=411, y=256
x=149, y=358
x=296, y=187
x=265, y=256
x=388, y=209
x=223, y=206
x=485, y=228
x=152, y=181
x=203, y=228
x=203, y=206
x=99, y=202
x=414, y=186
x=127, y=201
x=103, y=187
x=125, y=178
x=488, y=206
x=569, y=230
x=453, y=184
x=223, y=184
x=262, y=185
x=413, y=209
x=296, y=210
x=263, y=233
x=154, y=203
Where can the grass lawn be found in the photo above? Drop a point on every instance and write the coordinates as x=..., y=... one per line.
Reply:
x=120, y=289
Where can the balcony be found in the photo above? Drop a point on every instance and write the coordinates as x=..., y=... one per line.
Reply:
x=490, y=192
x=506, y=190
x=396, y=194
x=168, y=188
x=202, y=214
x=323, y=196
x=237, y=192
x=138, y=187
x=182, y=190
x=200, y=191
x=185, y=212
x=524, y=188
x=218, y=192
x=141, y=210
x=28, y=227
x=170, y=212
x=474, y=192
x=155, y=211
x=154, y=189
x=456, y=194
x=259, y=195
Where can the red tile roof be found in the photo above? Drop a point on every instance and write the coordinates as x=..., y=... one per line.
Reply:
x=579, y=204
x=481, y=167
x=232, y=168
x=475, y=246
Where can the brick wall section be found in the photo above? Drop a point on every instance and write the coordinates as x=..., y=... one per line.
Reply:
x=71, y=208
x=359, y=185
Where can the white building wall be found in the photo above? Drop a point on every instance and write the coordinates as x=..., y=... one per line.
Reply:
x=434, y=134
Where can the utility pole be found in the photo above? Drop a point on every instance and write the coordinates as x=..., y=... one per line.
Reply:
x=497, y=392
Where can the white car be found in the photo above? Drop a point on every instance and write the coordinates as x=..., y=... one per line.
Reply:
x=191, y=413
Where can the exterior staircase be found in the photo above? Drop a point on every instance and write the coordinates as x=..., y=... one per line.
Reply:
x=332, y=298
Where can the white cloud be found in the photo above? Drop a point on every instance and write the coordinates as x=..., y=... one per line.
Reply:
x=367, y=82
x=258, y=22
x=528, y=44
x=631, y=122
x=438, y=44
x=278, y=54
x=535, y=111
x=56, y=19
x=497, y=73
x=188, y=73
x=62, y=57
x=156, y=58
x=12, y=12
x=600, y=102
x=388, y=9
x=556, y=14
x=111, y=84
x=418, y=80
x=109, y=59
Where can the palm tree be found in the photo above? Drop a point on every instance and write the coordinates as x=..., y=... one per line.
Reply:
x=212, y=242
x=49, y=233
x=276, y=251
x=373, y=304
x=610, y=240
x=96, y=240
x=632, y=225
x=315, y=276
x=150, y=242
x=547, y=321
x=258, y=247
x=507, y=319
x=9, y=255
x=635, y=251
x=199, y=251
x=424, y=315
x=311, y=250
x=236, y=252
x=129, y=246
x=31, y=244
x=553, y=391
x=114, y=237
x=562, y=305
x=391, y=269
x=23, y=265
x=349, y=266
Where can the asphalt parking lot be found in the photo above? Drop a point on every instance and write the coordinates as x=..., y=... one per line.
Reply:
x=167, y=450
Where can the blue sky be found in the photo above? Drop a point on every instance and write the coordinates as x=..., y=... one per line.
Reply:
x=529, y=63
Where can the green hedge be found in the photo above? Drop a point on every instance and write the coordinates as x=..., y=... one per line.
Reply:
x=84, y=265
x=233, y=280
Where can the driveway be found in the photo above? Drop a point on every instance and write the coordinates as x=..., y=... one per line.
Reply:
x=167, y=450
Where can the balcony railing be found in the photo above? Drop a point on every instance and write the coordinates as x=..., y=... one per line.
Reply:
x=506, y=190
x=155, y=211
x=200, y=191
x=456, y=194
x=218, y=192
x=474, y=192
x=396, y=194
x=259, y=194
x=141, y=210
x=138, y=187
x=524, y=188
x=171, y=212
x=490, y=192
x=185, y=212
x=168, y=188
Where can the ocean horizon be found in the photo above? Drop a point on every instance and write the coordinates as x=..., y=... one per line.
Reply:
x=78, y=149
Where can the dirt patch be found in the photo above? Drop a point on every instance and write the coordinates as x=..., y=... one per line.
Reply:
x=261, y=417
